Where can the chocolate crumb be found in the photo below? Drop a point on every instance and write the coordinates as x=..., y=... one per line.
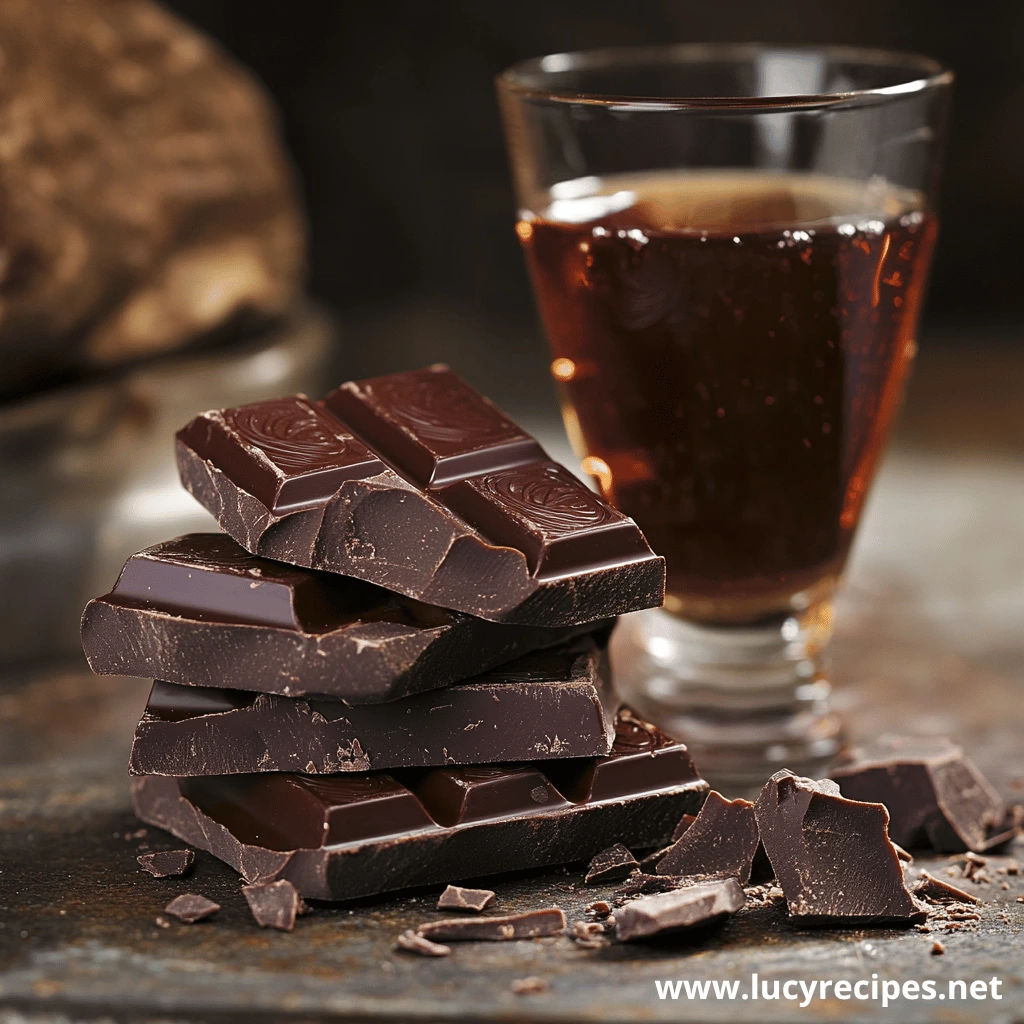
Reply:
x=529, y=986
x=935, y=889
x=1006, y=885
x=598, y=907
x=162, y=922
x=457, y=898
x=586, y=929
x=531, y=925
x=273, y=904
x=938, y=948
x=611, y=865
x=1012, y=867
x=413, y=943
x=190, y=908
x=167, y=863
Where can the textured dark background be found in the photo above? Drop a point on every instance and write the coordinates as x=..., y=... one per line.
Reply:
x=389, y=111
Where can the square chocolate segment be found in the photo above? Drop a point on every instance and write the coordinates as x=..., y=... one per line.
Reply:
x=454, y=796
x=434, y=427
x=287, y=452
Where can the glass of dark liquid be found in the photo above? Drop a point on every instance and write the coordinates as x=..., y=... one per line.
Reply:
x=729, y=248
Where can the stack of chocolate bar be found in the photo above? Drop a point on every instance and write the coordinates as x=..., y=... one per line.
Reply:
x=391, y=671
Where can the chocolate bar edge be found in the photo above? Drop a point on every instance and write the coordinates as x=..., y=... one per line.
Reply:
x=333, y=874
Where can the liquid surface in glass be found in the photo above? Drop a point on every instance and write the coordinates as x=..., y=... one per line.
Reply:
x=731, y=349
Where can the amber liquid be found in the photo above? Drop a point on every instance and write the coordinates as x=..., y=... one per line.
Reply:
x=731, y=350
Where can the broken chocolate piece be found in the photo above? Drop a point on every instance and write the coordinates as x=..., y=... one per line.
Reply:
x=599, y=907
x=202, y=611
x=649, y=864
x=457, y=898
x=417, y=483
x=684, y=823
x=694, y=905
x=938, y=948
x=413, y=943
x=273, y=904
x=555, y=703
x=190, y=907
x=832, y=855
x=934, y=794
x=358, y=834
x=167, y=863
x=720, y=843
x=907, y=858
x=532, y=925
x=931, y=888
x=610, y=865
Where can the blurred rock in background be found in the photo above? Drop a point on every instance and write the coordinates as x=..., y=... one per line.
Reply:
x=145, y=202
x=152, y=259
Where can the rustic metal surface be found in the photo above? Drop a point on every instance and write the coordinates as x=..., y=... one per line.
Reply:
x=929, y=639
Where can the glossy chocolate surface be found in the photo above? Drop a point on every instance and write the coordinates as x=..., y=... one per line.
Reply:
x=201, y=611
x=416, y=482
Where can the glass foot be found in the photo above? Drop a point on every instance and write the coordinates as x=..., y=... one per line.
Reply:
x=747, y=700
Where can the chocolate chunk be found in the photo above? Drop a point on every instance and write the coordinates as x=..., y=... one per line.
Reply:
x=931, y=888
x=831, y=855
x=720, y=843
x=457, y=898
x=417, y=483
x=532, y=925
x=649, y=864
x=202, y=611
x=694, y=905
x=273, y=904
x=934, y=794
x=190, y=908
x=359, y=834
x=555, y=703
x=167, y=863
x=413, y=943
x=610, y=865
x=600, y=907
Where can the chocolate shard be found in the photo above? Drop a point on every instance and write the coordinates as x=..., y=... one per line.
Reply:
x=413, y=943
x=832, y=856
x=531, y=986
x=417, y=483
x=639, y=884
x=610, y=865
x=934, y=794
x=649, y=864
x=167, y=863
x=273, y=904
x=720, y=843
x=554, y=703
x=201, y=611
x=692, y=906
x=455, y=897
x=191, y=907
x=935, y=889
x=684, y=823
x=532, y=925
x=359, y=834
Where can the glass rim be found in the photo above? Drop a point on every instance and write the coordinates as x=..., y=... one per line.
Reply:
x=523, y=78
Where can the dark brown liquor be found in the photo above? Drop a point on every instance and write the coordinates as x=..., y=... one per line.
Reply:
x=732, y=349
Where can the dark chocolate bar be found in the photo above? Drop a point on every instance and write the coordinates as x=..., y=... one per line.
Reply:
x=347, y=836
x=419, y=484
x=552, y=703
x=202, y=611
